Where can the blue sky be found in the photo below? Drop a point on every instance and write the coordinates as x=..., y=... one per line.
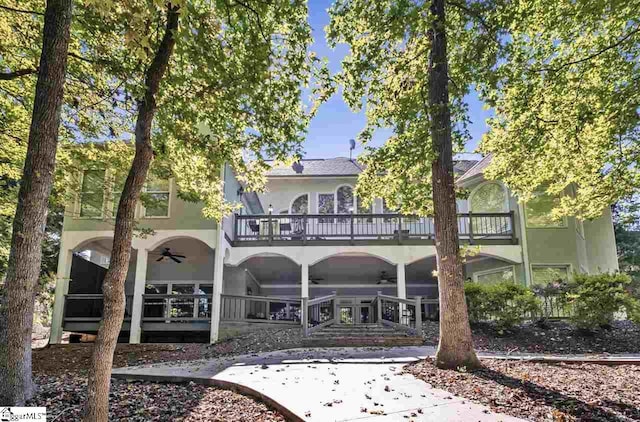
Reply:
x=335, y=123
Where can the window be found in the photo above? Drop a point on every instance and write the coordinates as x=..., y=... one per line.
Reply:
x=488, y=198
x=92, y=193
x=157, y=195
x=361, y=209
x=387, y=210
x=496, y=275
x=300, y=205
x=545, y=274
x=345, y=199
x=538, y=212
x=326, y=204
x=116, y=192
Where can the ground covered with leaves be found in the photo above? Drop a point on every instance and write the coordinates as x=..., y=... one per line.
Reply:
x=558, y=337
x=60, y=373
x=542, y=391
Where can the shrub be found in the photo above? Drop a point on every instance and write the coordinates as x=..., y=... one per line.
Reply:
x=506, y=304
x=595, y=299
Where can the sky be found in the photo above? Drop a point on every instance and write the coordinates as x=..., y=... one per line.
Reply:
x=330, y=130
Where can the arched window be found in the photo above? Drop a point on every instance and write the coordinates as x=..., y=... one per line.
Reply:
x=300, y=205
x=489, y=198
x=345, y=199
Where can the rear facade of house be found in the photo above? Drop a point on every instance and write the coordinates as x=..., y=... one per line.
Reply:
x=305, y=253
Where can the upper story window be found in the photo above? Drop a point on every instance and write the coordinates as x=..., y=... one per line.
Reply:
x=538, y=212
x=345, y=200
x=92, y=194
x=116, y=192
x=326, y=205
x=489, y=198
x=300, y=205
x=157, y=196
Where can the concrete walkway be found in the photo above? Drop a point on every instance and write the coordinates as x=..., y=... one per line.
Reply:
x=334, y=384
x=342, y=384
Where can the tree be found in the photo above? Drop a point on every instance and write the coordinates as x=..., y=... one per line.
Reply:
x=221, y=81
x=401, y=65
x=23, y=267
x=566, y=107
x=626, y=223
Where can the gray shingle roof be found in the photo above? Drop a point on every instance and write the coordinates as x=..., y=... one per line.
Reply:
x=340, y=166
x=476, y=170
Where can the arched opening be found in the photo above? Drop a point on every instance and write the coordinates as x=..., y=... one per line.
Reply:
x=300, y=205
x=178, y=286
x=83, y=304
x=356, y=279
x=489, y=197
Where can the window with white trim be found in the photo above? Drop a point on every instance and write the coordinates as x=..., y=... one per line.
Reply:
x=489, y=198
x=326, y=205
x=538, y=212
x=157, y=196
x=344, y=195
x=545, y=274
x=91, y=200
x=496, y=275
x=300, y=205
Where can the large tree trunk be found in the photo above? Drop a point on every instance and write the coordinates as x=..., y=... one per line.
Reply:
x=97, y=409
x=455, y=348
x=17, y=302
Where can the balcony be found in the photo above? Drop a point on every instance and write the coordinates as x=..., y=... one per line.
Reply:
x=350, y=229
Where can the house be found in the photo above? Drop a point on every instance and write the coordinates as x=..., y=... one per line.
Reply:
x=306, y=251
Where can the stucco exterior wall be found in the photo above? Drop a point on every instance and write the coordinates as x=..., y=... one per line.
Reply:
x=601, y=244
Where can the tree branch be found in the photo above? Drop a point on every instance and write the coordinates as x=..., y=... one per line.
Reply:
x=13, y=9
x=16, y=74
x=591, y=56
x=473, y=14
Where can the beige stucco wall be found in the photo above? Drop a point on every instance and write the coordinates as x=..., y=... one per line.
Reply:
x=601, y=244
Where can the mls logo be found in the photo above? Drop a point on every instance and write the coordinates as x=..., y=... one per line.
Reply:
x=5, y=414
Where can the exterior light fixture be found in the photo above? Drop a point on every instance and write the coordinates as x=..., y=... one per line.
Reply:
x=270, y=209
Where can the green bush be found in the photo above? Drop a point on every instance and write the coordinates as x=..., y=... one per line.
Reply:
x=595, y=299
x=506, y=304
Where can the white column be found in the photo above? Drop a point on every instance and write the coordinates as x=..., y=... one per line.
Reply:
x=218, y=273
x=401, y=284
x=304, y=280
x=62, y=287
x=138, y=290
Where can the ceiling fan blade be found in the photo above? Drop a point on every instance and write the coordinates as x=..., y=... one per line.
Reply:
x=379, y=282
x=160, y=259
x=178, y=256
x=176, y=260
x=313, y=282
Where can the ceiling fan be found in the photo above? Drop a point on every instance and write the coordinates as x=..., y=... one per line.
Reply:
x=166, y=253
x=385, y=279
x=314, y=280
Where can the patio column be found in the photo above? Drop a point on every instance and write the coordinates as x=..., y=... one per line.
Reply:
x=218, y=274
x=401, y=284
x=62, y=287
x=304, y=280
x=138, y=290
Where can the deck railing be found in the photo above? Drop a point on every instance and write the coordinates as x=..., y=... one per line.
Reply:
x=309, y=228
x=176, y=307
x=87, y=307
x=260, y=309
x=400, y=313
x=318, y=312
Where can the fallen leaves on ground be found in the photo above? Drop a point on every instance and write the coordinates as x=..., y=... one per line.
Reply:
x=543, y=391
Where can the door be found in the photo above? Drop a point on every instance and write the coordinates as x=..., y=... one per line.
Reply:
x=354, y=314
x=347, y=314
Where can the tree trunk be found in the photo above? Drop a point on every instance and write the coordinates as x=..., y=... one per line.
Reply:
x=455, y=348
x=23, y=270
x=97, y=409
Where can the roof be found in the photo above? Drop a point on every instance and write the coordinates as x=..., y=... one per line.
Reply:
x=341, y=166
x=476, y=170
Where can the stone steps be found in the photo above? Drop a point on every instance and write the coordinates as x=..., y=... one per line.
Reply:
x=360, y=335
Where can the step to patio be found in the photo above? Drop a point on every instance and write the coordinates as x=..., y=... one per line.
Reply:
x=360, y=335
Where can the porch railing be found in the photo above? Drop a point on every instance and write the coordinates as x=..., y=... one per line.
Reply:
x=176, y=307
x=318, y=312
x=304, y=228
x=87, y=307
x=404, y=314
x=260, y=309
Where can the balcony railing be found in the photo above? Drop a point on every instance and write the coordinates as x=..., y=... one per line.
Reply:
x=352, y=228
